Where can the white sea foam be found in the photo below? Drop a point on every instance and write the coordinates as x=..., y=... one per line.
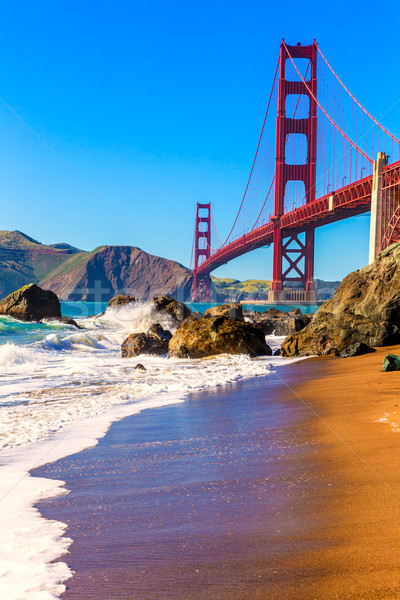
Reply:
x=58, y=395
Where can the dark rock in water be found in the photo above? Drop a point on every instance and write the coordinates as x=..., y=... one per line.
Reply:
x=121, y=300
x=196, y=315
x=154, y=341
x=296, y=312
x=365, y=308
x=265, y=320
x=140, y=367
x=391, y=362
x=232, y=310
x=217, y=335
x=356, y=349
x=289, y=325
x=251, y=314
x=177, y=310
x=31, y=303
x=274, y=313
x=267, y=324
x=277, y=352
x=64, y=320
x=280, y=322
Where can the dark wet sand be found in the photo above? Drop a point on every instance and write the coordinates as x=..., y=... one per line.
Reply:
x=243, y=493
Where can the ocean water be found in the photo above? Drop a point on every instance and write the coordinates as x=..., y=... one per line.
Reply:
x=60, y=389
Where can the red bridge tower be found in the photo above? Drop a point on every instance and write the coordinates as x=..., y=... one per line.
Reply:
x=293, y=259
x=202, y=251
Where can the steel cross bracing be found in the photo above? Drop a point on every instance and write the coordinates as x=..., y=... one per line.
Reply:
x=285, y=228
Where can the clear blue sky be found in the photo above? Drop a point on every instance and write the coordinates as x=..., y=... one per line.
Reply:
x=159, y=105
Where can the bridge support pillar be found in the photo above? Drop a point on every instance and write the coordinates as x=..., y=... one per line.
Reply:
x=276, y=293
x=377, y=224
x=202, y=251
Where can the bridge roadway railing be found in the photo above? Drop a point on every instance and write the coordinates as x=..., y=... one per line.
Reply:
x=346, y=202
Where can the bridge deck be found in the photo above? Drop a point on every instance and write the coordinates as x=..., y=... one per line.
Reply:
x=351, y=200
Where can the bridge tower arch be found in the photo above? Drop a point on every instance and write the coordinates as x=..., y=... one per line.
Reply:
x=293, y=259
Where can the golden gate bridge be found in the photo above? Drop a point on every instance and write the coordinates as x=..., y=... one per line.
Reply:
x=321, y=157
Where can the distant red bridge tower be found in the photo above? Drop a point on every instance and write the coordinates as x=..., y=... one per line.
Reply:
x=202, y=251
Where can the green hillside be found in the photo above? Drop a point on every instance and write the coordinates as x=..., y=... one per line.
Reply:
x=233, y=289
x=257, y=289
x=25, y=260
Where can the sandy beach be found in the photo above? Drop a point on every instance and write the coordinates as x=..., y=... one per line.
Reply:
x=282, y=487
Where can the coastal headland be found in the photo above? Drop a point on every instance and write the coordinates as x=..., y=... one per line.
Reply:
x=284, y=487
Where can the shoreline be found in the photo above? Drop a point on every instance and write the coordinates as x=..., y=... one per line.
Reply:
x=345, y=542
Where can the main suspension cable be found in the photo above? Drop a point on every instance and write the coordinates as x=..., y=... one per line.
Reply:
x=324, y=111
x=355, y=99
x=256, y=154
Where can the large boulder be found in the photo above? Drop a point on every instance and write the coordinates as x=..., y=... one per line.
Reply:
x=31, y=303
x=217, y=335
x=154, y=341
x=365, y=309
x=121, y=300
x=232, y=310
x=177, y=310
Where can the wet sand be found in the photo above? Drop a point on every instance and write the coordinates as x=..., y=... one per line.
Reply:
x=282, y=487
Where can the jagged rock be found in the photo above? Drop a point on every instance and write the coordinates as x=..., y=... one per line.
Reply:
x=391, y=362
x=278, y=321
x=365, y=308
x=296, y=312
x=267, y=324
x=31, y=303
x=154, y=341
x=140, y=367
x=269, y=319
x=177, y=310
x=289, y=325
x=217, y=335
x=264, y=320
x=195, y=316
x=232, y=310
x=65, y=320
x=121, y=300
x=251, y=314
x=274, y=313
x=356, y=349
